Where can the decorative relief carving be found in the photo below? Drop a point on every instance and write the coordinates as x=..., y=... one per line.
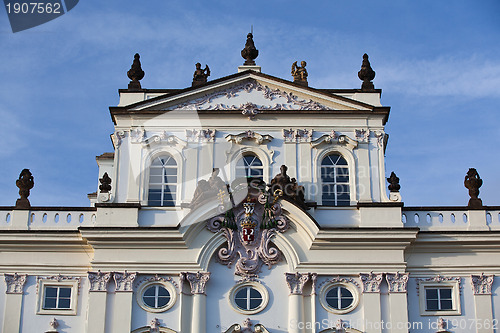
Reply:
x=296, y=282
x=15, y=283
x=439, y=278
x=335, y=138
x=137, y=135
x=481, y=284
x=362, y=135
x=197, y=281
x=314, y=280
x=99, y=281
x=298, y=135
x=249, y=227
x=155, y=278
x=292, y=102
x=246, y=327
x=124, y=281
x=249, y=135
x=200, y=135
x=154, y=326
x=371, y=282
x=169, y=139
x=398, y=282
x=117, y=138
x=54, y=324
x=59, y=278
x=339, y=279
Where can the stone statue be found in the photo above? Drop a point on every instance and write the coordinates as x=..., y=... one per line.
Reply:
x=366, y=74
x=291, y=190
x=249, y=53
x=393, y=183
x=25, y=183
x=207, y=189
x=299, y=73
x=135, y=73
x=473, y=182
x=200, y=75
x=105, y=181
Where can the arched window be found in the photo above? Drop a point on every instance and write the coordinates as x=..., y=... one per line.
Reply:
x=162, y=181
x=335, y=181
x=250, y=166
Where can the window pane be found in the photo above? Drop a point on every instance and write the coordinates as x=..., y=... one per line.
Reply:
x=242, y=293
x=150, y=291
x=344, y=292
x=445, y=293
x=254, y=303
x=50, y=292
x=241, y=303
x=255, y=293
x=149, y=301
x=50, y=303
x=431, y=294
x=341, y=161
x=162, y=301
x=65, y=292
x=171, y=171
x=432, y=304
x=64, y=303
x=446, y=305
x=162, y=291
x=344, y=303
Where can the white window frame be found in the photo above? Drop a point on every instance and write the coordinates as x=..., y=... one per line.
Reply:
x=167, y=285
x=44, y=283
x=335, y=167
x=349, y=286
x=163, y=184
x=455, y=296
x=251, y=284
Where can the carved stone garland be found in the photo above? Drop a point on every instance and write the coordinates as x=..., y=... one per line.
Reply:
x=249, y=228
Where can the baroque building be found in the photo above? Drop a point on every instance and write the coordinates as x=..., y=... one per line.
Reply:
x=249, y=203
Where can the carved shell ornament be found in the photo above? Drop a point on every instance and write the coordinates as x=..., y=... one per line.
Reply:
x=249, y=227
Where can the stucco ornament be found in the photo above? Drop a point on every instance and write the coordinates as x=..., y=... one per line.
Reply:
x=249, y=227
x=371, y=282
x=481, y=284
x=397, y=282
x=99, y=281
x=15, y=283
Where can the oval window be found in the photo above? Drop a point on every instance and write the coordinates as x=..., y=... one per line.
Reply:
x=249, y=297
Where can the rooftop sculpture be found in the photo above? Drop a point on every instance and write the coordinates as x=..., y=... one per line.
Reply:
x=299, y=73
x=473, y=182
x=249, y=53
x=200, y=75
x=366, y=74
x=25, y=183
x=135, y=73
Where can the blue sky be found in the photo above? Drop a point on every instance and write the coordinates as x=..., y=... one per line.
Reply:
x=436, y=61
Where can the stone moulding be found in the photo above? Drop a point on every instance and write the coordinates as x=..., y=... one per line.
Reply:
x=297, y=135
x=292, y=102
x=99, y=281
x=158, y=278
x=124, y=281
x=200, y=135
x=296, y=282
x=397, y=282
x=197, y=281
x=59, y=278
x=334, y=138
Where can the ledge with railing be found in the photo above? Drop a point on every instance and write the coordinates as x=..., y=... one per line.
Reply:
x=451, y=218
x=40, y=218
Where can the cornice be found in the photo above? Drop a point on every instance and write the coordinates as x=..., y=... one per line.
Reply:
x=152, y=238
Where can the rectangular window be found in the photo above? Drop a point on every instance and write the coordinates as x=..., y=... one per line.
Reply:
x=57, y=297
x=439, y=298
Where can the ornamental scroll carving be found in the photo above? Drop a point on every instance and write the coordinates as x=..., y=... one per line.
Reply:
x=99, y=281
x=290, y=101
x=297, y=135
x=481, y=284
x=15, y=283
x=334, y=138
x=371, y=282
x=249, y=227
x=398, y=282
x=251, y=136
x=200, y=135
x=439, y=279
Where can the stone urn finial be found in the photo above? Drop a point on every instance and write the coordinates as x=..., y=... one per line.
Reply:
x=366, y=74
x=473, y=182
x=25, y=183
x=249, y=53
x=393, y=183
x=105, y=181
x=135, y=73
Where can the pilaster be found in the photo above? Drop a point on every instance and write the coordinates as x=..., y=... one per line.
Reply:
x=481, y=286
x=398, y=304
x=197, y=282
x=296, y=282
x=13, y=302
x=122, y=310
x=371, y=301
x=96, y=312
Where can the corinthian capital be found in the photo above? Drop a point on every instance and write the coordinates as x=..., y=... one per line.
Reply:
x=296, y=282
x=99, y=281
x=397, y=282
x=123, y=281
x=15, y=283
x=197, y=281
x=481, y=284
x=371, y=282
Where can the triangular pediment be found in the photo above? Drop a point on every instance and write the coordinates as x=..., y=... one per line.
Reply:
x=250, y=92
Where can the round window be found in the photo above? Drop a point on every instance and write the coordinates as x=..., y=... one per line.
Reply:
x=339, y=298
x=156, y=296
x=249, y=297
